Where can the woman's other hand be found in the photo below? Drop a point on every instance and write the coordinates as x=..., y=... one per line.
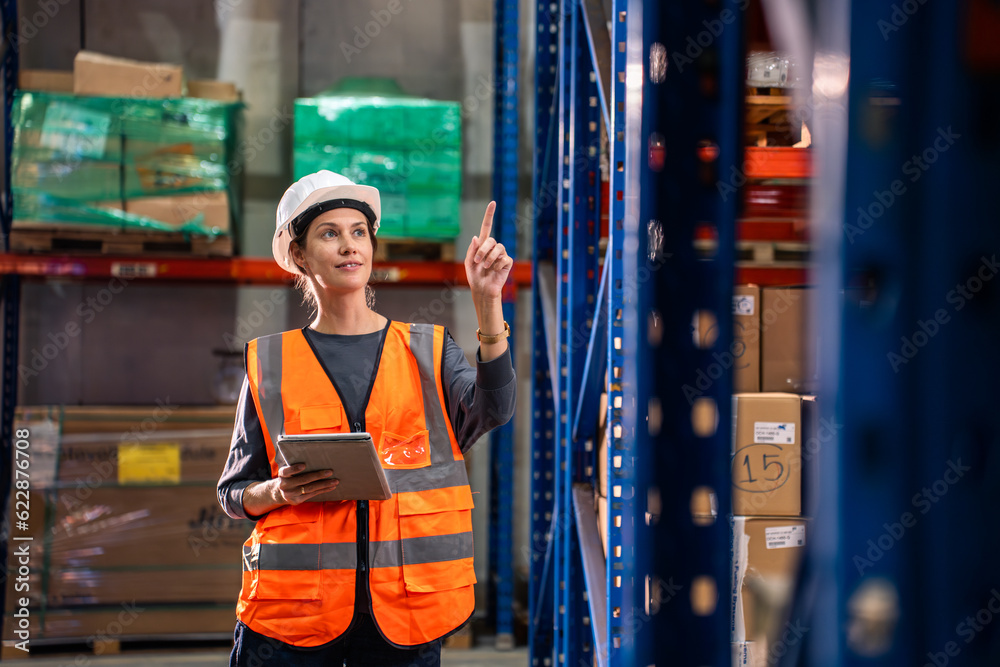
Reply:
x=295, y=486
x=290, y=487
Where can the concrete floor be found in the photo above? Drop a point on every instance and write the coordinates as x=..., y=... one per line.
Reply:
x=479, y=657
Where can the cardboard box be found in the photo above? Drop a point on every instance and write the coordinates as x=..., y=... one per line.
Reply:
x=766, y=553
x=767, y=459
x=745, y=348
x=162, y=444
x=161, y=586
x=209, y=89
x=84, y=529
x=786, y=350
x=746, y=338
x=47, y=80
x=178, y=210
x=106, y=76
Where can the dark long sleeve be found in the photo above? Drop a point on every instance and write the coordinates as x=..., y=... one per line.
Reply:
x=247, y=461
x=479, y=399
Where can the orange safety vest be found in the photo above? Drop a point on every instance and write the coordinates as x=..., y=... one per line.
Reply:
x=415, y=554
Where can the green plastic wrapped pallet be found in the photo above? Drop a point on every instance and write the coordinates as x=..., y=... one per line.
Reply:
x=407, y=147
x=79, y=160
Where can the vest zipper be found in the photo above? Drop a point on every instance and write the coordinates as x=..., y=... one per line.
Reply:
x=362, y=519
x=361, y=514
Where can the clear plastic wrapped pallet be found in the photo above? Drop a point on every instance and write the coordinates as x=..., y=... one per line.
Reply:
x=81, y=160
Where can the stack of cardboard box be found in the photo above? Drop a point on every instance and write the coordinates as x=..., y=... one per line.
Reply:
x=122, y=512
x=116, y=144
x=773, y=371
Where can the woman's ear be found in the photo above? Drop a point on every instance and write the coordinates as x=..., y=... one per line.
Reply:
x=298, y=257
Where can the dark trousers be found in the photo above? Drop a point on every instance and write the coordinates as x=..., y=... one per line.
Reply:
x=362, y=646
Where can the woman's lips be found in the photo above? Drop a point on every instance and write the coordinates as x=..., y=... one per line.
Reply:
x=349, y=267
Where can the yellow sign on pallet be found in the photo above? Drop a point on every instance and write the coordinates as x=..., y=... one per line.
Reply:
x=149, y=463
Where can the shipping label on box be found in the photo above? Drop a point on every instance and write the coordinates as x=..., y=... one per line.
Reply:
x=767, y=458
x=785, y=537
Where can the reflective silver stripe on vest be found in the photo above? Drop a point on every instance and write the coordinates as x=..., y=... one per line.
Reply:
x=269, y=388
x=422, y=348
x=325, y=556
x=420, y=550
x=438, y=476
x=437, y=548
x=342, y=556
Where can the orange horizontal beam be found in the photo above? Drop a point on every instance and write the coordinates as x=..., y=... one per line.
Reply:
x=252, y=270
x=777, y=162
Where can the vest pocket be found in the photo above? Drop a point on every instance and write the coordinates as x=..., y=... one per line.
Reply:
x=322, y=418
x=401, y=453
x=435, y=528
x=282, y=555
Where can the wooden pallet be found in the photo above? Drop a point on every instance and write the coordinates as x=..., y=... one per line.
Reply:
x=114, y=241
x=80, y=650
x=770, y=91
x=401, y=250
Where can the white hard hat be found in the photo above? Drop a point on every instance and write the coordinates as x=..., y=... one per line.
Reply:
x=314, y=194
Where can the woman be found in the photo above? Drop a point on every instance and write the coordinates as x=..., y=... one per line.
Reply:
x=366, y=582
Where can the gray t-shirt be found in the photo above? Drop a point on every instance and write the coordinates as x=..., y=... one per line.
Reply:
x=350, y=360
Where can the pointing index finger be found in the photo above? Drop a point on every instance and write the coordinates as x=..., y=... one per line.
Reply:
x=484, y=233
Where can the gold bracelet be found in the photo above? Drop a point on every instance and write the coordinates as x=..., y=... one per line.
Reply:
x=495, y=338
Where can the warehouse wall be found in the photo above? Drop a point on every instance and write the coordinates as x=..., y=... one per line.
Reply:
x=152, y=341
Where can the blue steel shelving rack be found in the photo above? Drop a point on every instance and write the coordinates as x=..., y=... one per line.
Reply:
x=544, y=196
x=577, y=236
x=636, y=325
x=505, y=182
x=11, y=297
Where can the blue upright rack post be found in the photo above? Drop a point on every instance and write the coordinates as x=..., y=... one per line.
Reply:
x=577, y=234
x=505, y=180
x=11, y=286
x=690, y=140
x=902, y=568
x=621, y=454
x=545, y=190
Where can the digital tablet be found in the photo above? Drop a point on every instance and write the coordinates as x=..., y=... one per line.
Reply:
x=351, y=457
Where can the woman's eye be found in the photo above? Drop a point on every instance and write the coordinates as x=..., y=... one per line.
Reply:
x=359, y=232
x=328, y=234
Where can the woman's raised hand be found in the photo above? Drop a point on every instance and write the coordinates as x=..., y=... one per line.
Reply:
x=487, y=264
